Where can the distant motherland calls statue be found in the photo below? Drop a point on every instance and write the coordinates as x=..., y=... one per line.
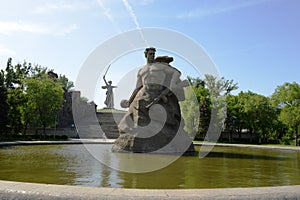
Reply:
x=109, y=100
x=153, y=123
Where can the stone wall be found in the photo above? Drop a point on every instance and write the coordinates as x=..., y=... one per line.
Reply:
x=79, y=116
x=70, y=132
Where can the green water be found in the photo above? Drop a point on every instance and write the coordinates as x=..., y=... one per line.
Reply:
x=223, y=167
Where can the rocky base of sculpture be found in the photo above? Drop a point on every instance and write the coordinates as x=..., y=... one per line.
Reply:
x=180, y=144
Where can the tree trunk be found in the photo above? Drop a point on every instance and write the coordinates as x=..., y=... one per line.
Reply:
x=251, y=133
x=240, y=134
x=44, y=131
x=296, y=136
x=25, y=129
x=230, y=135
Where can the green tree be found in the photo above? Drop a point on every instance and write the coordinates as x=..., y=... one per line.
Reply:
x=219, y=86
x=247, y=117
x=204, y=109
x=287, y=98
x=261, y=115
x=15, y=100
x=44, y=96
x=3, y=106
x=196, y=108
x=190, y=111
x=256, y=113
x=219, y=89
x=21, y=72
x=15, y=96
x=66, y=84
x=211, y=96
x=29, y=96
x=233, y=120
x=9, y=74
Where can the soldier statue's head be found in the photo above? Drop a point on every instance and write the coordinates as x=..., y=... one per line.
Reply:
x=150, y=54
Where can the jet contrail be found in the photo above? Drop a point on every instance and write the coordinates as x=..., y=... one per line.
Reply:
x=131, y=12
x=135, y=20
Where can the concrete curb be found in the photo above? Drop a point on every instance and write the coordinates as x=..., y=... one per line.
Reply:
x=111, y=141
x=72, y=141
x=17, y=190
x=293, y=148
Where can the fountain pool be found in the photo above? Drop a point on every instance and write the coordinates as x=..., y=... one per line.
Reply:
x=223, y=167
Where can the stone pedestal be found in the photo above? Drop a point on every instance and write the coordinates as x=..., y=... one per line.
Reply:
x=154, y=131
x=158, y=144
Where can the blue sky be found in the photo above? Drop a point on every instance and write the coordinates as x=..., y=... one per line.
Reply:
x=254, y=42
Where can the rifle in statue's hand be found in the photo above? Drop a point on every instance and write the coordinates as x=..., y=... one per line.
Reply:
x=163, y=93
x=166, y=91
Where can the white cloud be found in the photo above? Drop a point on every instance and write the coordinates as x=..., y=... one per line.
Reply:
x=9, y=28
x=6, y=52
x=146, y=2
x=61, y=31
x=106, y=11
x=218, y=9
x=61, y=6
x=142, y=2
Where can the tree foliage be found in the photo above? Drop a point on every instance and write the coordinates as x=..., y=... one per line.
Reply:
x=210, y=94
x=264, y=119
x=259, y=114
x=234, y=119
x=196, y=108
x=44, y=99
x=29, y=96
x=287, y=99
x=15, y=96
x=218, y=89
x=3, y=105
x=66, y=84
x=189, y=111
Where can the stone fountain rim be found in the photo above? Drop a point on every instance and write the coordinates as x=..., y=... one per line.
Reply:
x=111, y=141
x=18, y=190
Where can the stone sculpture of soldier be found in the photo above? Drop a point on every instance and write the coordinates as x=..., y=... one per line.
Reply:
x=154, y=119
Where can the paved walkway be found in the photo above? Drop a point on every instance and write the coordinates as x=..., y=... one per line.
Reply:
x=17, y=190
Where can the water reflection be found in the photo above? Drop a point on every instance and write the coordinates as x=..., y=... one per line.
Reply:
x=35, y=164
x=244, y=156
x=129, y=162
x=74, y=165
